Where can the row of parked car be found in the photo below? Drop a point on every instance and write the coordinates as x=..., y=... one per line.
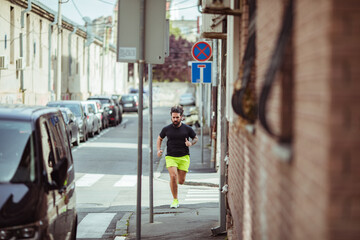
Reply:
x=37, y=167
x=84, y=119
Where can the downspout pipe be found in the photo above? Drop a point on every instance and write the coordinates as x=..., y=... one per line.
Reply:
x=28, y=9
x=70, y=58
x=50, y=87
x=89, y=40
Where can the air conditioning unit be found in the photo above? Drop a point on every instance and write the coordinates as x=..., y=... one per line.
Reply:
x=20, y=64
x=222, y=7
x=4, y=62
x=216, y=4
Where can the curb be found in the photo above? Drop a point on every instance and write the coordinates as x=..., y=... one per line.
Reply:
x=121, y=230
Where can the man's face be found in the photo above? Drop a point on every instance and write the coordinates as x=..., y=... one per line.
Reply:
x=176, y=119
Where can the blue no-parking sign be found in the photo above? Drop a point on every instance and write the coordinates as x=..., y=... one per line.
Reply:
x=201, y=72
x=201, y=51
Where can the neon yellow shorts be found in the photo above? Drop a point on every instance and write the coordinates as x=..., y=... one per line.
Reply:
x=182, y=163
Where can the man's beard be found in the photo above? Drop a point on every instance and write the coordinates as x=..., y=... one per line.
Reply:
x=176, y=124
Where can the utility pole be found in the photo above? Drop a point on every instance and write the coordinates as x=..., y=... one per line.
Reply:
x=59, y=55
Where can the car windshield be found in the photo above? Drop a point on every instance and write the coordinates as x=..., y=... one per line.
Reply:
x=17, y=155
x=186, y=95
x=73, y=107
x=103, y=100
x=127, y=98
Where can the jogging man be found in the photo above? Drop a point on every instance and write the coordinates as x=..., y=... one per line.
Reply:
x=177, y=158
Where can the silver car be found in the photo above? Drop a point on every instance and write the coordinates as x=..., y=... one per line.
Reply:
x=91, y=120
x=96, y=108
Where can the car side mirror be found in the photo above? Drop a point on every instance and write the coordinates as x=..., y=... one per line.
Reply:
x=59, y=174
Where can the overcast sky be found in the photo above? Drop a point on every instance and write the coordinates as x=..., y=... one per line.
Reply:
x=76, y=9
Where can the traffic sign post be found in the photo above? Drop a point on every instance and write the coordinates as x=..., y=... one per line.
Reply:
x=201, y=51
x=201, y=73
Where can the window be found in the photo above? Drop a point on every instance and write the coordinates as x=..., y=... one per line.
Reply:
x=17, y=154
x=47, y=149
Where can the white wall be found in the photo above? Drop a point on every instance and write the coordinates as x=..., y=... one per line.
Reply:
x=74, y=80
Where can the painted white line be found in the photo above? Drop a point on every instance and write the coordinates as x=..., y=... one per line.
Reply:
x=202, y=195
x=94, y=225
x=88, y=180
x=126, y=181
x=113, y=145
x=119, y=238
x=201, y=199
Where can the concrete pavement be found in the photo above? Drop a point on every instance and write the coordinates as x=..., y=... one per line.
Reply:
x=190, y=220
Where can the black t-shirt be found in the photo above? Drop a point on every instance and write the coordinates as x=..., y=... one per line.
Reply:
x=176, y=139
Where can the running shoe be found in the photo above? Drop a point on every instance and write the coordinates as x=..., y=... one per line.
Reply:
x=175, y=204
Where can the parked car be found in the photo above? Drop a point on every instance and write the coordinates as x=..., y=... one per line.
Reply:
x=130, y=102
x=96, y=108
x=72, y=126
x=37, y=177
x=115, y=115
x=116, y=98
x=187, y=99
x=91, y=119
x=77, y=109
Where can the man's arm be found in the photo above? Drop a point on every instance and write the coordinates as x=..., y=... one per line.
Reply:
x=194, y=140
x=158, y=146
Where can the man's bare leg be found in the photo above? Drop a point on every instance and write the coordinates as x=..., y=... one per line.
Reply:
x=181, y=176
x=173, y=172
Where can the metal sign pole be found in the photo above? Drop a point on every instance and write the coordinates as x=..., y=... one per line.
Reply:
x=151, y=176
x=201, y=113
x=140, y=117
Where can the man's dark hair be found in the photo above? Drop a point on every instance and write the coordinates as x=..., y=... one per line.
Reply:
x=177, y=109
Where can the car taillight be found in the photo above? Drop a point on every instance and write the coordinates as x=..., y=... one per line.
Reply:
x=111, y=107
x=136, y=103
x=87, y=117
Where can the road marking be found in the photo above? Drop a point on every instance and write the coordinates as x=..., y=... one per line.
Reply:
x=126, y=181
x=88, y=180
x=202, y=195
x=94, y=225
x=112, y=145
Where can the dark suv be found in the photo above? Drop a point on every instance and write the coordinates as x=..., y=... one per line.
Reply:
x=114, y=112
x=37, y=185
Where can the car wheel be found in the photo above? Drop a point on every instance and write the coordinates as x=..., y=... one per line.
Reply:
x=98, y=130
x=74, y=230
x=120, y=118
x=77, y=142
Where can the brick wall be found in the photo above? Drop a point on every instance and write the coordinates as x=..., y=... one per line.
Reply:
x=317, y=194
x=344, y=124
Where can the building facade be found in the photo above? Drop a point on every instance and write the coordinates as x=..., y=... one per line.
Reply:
x=288, y=118
x=29, y=34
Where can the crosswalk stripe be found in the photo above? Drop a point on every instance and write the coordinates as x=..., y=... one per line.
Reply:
x=126, y=181
x=94, y=225
x=88, y=180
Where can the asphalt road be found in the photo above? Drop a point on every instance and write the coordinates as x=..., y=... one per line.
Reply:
x=106, y=173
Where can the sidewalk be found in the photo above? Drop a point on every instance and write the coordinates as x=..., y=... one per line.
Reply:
x=189, y=221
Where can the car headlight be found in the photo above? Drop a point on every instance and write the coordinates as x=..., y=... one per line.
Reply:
x=110, y=111
x=23, y=232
